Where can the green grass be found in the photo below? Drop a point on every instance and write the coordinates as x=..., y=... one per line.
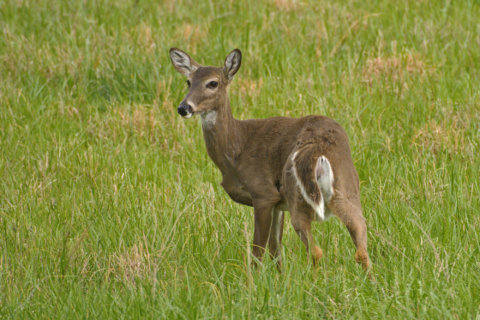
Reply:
x=110, y=207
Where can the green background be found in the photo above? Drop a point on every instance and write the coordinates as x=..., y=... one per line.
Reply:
x=110, y=207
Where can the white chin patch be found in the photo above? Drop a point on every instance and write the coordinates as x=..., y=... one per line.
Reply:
x=188, y=115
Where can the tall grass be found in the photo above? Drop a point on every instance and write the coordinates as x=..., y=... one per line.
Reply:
x=110, y=207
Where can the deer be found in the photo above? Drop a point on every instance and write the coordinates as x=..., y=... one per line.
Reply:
x=301, y=165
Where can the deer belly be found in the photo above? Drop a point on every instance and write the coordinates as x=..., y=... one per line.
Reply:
x=238, y=192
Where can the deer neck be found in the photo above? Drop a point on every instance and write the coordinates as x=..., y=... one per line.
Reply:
x=222, y=134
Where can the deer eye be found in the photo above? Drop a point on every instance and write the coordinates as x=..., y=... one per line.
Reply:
x=212, y=84
x=188, y=83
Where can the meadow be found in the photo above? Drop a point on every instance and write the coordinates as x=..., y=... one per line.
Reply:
x=111, y=209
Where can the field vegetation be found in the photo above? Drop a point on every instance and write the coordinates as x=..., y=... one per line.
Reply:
x=110, y=207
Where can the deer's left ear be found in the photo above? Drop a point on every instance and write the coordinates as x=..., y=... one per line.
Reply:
x=232, y=63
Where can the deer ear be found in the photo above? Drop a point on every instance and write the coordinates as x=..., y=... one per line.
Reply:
x=182, y=62
x=232, y=63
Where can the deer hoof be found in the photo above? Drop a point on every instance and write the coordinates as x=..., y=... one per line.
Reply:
x=361, y=257
x=317, y=254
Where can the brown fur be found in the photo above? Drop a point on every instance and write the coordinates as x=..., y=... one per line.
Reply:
x=254, y=157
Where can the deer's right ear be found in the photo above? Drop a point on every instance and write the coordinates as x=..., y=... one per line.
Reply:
x=182, y=62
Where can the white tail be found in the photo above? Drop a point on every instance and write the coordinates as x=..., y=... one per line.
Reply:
x=324, y=174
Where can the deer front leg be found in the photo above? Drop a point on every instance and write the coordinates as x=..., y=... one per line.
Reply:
x=263, y=223
x=276, y=234
x=265, y=197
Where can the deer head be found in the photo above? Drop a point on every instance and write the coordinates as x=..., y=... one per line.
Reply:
x=207, y=85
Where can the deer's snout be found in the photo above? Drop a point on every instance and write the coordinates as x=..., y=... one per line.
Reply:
x=185, y=110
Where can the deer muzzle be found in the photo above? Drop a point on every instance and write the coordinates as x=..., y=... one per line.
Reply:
x=185, y=110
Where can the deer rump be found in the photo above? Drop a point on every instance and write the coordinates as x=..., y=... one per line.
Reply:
x=316, y=189
x=308, y=178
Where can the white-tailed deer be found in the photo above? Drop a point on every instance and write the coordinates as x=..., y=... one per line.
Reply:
x=276, y=164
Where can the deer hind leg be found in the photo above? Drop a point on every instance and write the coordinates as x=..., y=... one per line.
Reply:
x=351, y=216
x=302, y=223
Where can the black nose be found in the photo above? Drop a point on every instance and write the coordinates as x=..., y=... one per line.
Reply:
x=184, y=109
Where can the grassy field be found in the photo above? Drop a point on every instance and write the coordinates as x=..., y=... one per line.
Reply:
x=110, y=207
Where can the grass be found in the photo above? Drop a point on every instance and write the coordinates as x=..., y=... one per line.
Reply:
x=110, y=207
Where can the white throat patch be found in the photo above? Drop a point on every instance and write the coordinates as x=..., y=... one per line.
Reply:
x=209, y=118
